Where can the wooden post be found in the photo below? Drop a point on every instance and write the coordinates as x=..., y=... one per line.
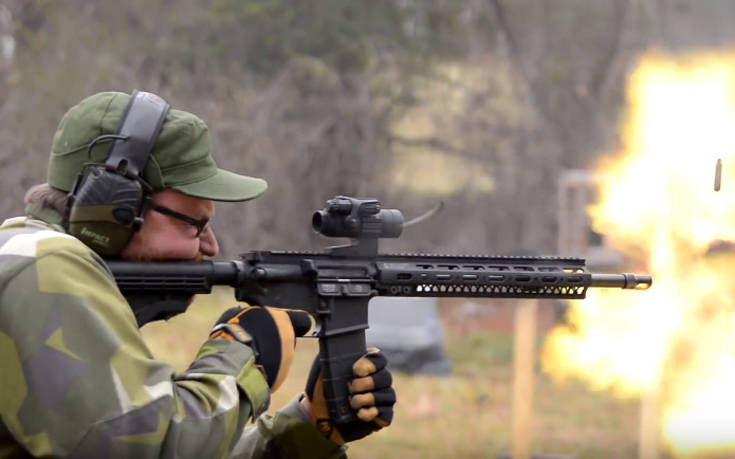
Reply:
x=649, y=431
x=524, y=350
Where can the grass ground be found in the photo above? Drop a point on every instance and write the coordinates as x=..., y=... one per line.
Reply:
x=466, y=415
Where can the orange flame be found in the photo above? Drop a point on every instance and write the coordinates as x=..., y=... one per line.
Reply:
x=658, y=206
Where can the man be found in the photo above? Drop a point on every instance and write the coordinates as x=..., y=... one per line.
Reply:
x=76, y=378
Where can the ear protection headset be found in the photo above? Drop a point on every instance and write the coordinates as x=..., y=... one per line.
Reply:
x=107, y=202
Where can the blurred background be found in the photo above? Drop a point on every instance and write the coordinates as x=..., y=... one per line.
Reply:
x=545, y=127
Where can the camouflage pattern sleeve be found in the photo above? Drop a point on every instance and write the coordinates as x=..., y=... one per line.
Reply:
x=77, y=379
x=287, y=434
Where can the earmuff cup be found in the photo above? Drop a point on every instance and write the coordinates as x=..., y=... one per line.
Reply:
x=107, y=210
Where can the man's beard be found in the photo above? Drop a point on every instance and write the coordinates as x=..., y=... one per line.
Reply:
x=153, y=255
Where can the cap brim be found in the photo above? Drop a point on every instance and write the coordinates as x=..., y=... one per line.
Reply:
x=225, y=186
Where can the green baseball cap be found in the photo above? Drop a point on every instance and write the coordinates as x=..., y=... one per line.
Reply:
x=181, y=157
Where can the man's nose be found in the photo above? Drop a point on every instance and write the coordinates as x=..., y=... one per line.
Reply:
x=208, y=245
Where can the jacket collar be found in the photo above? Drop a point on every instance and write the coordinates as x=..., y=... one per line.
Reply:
x=46, y=215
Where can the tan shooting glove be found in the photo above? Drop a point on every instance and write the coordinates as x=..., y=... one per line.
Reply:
x=270, y=332
x=372, y=399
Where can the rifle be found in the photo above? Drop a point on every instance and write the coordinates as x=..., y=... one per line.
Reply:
x=335, y=286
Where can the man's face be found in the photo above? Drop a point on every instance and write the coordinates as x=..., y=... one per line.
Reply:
x=166, y=238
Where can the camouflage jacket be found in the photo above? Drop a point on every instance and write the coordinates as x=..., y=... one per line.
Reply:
x=77, y=379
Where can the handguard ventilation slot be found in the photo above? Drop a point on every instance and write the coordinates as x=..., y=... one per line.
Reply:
x=484, y=290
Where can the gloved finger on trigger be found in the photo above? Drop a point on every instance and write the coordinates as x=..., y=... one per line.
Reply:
x=302, y=321
x=380, y=380
x=369, y=363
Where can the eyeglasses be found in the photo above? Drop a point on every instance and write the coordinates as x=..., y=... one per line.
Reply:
x=200, y=225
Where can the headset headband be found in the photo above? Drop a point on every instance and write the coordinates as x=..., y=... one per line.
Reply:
x=141, y=124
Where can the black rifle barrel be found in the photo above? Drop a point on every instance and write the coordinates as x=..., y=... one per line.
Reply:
x=626, y=281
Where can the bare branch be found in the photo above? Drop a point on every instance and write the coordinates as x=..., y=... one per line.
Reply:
x=598, y=79
x=515, y=57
